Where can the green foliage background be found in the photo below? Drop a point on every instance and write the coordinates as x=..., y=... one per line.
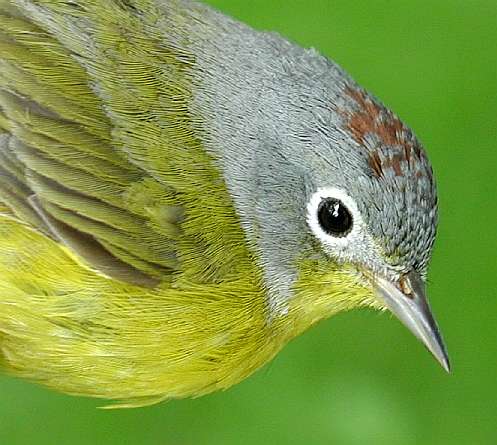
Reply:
x=359, y=378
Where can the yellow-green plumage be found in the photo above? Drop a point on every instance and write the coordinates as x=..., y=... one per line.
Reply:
x=166, y=299
x=74, y=330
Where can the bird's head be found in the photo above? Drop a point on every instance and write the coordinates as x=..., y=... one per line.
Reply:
x=335, y=194
x=373, y=214
x=346, y=216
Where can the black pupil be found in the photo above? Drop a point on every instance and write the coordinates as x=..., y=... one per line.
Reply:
x=334, y=217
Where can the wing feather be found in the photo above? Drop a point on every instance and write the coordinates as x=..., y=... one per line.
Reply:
x=99, y=151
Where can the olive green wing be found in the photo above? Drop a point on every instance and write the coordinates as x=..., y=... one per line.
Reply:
x=96, y=145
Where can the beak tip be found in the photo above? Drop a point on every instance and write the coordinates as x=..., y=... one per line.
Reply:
x=446, y=365
x=436, y=346
x=445, y=362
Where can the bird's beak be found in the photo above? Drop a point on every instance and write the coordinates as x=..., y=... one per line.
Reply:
x=407, y=301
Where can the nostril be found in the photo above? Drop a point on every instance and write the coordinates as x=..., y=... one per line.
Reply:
x=405, y=286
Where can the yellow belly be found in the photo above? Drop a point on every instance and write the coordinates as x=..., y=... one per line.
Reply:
x=67, y=327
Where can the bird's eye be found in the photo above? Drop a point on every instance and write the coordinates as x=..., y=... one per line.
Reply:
x=334, y=218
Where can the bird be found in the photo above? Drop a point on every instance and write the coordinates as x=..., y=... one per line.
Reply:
x=181, y=195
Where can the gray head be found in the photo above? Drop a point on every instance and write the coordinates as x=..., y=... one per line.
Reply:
x=378, y=175
x=315, y=166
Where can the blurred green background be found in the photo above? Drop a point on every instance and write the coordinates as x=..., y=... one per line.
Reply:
x=359, y=378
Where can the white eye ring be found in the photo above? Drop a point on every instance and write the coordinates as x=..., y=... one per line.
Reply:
x=313, y=218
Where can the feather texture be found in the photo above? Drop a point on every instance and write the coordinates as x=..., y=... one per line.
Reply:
x=98, y=117
x=97, y=155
